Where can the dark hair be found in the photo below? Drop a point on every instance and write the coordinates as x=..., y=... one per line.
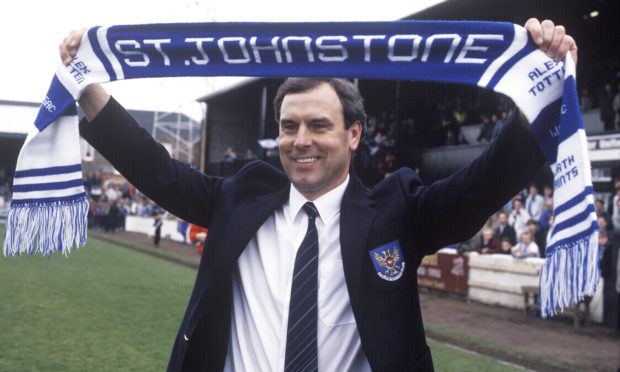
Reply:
x=350, y=97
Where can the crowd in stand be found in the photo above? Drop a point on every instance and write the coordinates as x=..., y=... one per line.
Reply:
x=522, y=228
x=110, y=202
x=5, y=194
x=601, y=88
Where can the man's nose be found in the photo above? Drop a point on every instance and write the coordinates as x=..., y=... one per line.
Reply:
x=303, y=137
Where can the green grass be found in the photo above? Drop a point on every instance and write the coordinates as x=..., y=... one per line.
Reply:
x=104, y=308
x=107, y=308
x=447, y=358
x=475, y=340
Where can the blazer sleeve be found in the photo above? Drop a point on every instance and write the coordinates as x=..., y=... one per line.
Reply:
x=180, y=189
x=453, y=209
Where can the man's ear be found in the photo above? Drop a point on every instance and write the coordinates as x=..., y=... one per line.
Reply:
x=355, y=133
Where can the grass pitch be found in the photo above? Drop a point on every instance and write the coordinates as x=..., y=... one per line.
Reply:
x=106, y=308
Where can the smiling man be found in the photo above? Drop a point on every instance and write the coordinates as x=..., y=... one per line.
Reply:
x=317, y=135
x=308, y=269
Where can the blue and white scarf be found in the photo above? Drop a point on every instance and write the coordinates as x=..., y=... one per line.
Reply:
x=49, y=207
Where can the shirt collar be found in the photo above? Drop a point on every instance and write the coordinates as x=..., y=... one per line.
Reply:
x=327, y=204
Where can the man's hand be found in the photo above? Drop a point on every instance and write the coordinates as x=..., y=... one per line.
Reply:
x=69, y=46
x=552, y=39
x=94, y=98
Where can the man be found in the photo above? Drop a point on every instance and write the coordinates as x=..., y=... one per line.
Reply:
x=368, y=313
x=534, y=203
x=607, y=113
x=486, y=130
x=518, y=217
x=489, y=243
x=599, y=206
x=504, y=230
x=538, y=236
x=526, y=247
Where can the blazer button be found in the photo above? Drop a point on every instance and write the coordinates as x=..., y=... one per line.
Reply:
x=186, y=338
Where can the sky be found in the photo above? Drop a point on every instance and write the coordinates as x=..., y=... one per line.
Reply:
x=31, y=30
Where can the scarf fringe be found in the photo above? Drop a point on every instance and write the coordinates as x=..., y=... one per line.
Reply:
x=46, y=227
x=569, y=274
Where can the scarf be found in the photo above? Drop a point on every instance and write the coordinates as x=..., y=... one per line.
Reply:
x=49, y=207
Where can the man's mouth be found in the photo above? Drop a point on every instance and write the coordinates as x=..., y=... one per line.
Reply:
x=306, y=160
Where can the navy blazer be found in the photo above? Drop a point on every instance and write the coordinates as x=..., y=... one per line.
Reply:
x=400, y=208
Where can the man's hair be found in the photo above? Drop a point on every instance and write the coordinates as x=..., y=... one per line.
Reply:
x=350, y=97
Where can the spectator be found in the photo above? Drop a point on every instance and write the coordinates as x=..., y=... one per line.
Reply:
x=609, y=252
x=607, y=113
x=613, y=198
x=489, y=242
x=537, y=236
x=229, y=165
x=526, y=247
x=111, y=192
x=486, y=130
x=249, y=155
x=504, y=230
x=157, y=224
x=198, y=234
x=599, y=205
x=544, y=217
x=499, y=123
x=229, y=155
x=534, y=203
x=548, y=192
x=95, y=191
x=602, y=223
x=615, y=218
x=616, y=107
x=459, y=115
x=518, y=217
x=506, y=246
x=182, y=227
x=110, y=217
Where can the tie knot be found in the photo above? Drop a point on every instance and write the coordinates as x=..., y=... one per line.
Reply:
x=310, y=210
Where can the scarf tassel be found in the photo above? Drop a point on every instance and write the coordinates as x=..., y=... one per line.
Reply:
x=568, y=275
x=46, y=227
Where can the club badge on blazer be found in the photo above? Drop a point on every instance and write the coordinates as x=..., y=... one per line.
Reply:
x=388, y=260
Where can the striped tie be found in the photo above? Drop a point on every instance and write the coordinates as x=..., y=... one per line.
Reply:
x=301, y=347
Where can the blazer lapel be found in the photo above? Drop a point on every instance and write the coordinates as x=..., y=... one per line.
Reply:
x=247, y=219
x=241, y=226
x=356, y=217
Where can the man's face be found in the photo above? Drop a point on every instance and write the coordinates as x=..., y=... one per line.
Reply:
x=517, y=205
x=598, y=205
x=315, y=148
x=602, y=222
x=503, y=219
x=526, y=238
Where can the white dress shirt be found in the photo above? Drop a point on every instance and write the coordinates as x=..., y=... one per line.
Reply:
x=262, y=288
